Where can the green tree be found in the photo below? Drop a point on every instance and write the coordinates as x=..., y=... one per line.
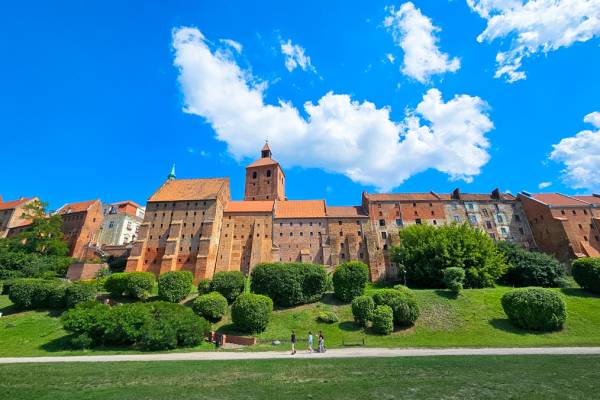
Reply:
x=43, y=235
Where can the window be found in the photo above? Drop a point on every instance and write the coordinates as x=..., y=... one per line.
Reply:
x=291, y=233
x=521, y=231
x=311, y=234
x=470, y=206
x=398, y=222
x=457, y=219
x=488, y=224
x=384, y=235
x=414, y=204
x=503, y=230
x=254, y=175
x=574, y=212
x=268, y=173
x=585, y=212
x=562, y=212
x=382, y=222
x=485, y=212
x=585, y=238
x=517, y=218
x=418, y=221
x=580, y=227
x=473, y=219
x=301, y=233
x=434, y=222
x=500, y=218
x=111, y=224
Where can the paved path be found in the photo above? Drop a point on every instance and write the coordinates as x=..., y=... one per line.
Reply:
x=333, y=353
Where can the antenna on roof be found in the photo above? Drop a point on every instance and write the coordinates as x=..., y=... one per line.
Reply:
x=171, y=175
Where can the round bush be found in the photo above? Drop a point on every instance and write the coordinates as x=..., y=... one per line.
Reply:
x=586, y=272
x=230, y=284
x=125, y=323
x=535, y=308
x=289, y=284
x=135, y=285
x=190, y=329
x=530, y=268
x=157, y=335
x=362, y=309
x=251, y=312
x=329, y=317
x=383, y=320
x=402, y=302
x=204, y=286
x=175, y=286
x=211, y=306
x=56, y=292
x=87, y=319
x=79, y=293
x=454, y=278
x=349, y=280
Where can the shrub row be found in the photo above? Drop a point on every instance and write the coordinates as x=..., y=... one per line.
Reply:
x=289, y=284
x=135, y=285
x=349, y=280
x=149, y=326
x=32, y=293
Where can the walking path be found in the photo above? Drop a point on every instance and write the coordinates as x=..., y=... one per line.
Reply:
x=333, y=353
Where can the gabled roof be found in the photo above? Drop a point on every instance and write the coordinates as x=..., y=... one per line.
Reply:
x=345, y=212
x=133, y=203
x=300, y=209
x=76, y=207
x=262, y=162
x=14, y=203
x=189, y=189
x=589, y=199
x=249, y=206
x=427, y=196
x=558, y=199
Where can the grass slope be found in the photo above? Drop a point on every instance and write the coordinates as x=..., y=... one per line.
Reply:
x=505, y=377
x=474, y=319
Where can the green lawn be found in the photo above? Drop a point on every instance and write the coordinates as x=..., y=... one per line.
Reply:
x=503, y=377
x=474, y=319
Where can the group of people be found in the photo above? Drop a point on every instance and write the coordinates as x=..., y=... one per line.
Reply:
x=320, y=341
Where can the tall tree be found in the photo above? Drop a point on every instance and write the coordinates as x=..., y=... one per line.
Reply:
x=43, y=235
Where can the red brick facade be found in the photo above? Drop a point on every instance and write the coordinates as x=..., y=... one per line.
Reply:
x=81, y=223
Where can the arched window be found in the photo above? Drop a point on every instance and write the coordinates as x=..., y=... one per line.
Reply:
x=268, y=173
x=254, y=175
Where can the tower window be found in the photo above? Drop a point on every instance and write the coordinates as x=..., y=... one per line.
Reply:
x=268, y=173
x=254, y=175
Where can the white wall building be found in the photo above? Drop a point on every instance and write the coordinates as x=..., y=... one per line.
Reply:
x=121, y=223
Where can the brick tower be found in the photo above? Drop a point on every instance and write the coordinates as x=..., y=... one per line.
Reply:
x=265, y=179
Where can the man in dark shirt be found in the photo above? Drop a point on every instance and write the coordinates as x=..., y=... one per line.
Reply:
x=293, y=340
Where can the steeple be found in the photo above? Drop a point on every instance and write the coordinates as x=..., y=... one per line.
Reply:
x=171, y=175
x=266, y=151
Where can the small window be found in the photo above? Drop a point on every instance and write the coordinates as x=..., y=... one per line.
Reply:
x=418, y=221
x=517, y=218
x=434, y=222
x=384, y=235
x=574, y=212
x=521, y=231
x=398, y=222
x=457, y=219
x=382, y=222
x=339, y=222
x=268, y=173
x=254, y=175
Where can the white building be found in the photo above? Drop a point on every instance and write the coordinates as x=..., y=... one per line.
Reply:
x=121, y=223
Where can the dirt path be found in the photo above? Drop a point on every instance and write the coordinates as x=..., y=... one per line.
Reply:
x=334, y=353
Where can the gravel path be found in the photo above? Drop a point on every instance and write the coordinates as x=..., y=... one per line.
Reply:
x=333, y=353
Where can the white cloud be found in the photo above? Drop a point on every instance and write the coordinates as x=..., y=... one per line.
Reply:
x=390, y=57
x=581, y=156
x=535, y=26
x=544, y=185
x=415, y=34
x=340, y=135
x=295, y=56
x=232, y=43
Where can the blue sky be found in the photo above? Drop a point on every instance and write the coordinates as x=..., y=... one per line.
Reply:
x=97, y=100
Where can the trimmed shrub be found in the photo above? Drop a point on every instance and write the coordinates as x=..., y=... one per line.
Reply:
x=289, y=284
x=80, y=342
x=87, y=319
x=586, y=272
x=56, y=292
x=204, y=286
x=329, y=317
x=383, y=320
x=530, y=268
x=125, y=323
x=402, y=302
x=535, y=308
x=157, y=335
x=349, y=280
x=136, y=285
x=211, y=306
x=230, y=284
x=426, y=250
x=190, y=329
x=362, y=309
x=251, y=312
x=175, y=286
x=454, y=278
x=79, y=293
x=31, y=293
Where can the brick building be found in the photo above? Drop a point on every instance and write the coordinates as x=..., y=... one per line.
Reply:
x=81, y=223
x=11, y=215
x=565, y=226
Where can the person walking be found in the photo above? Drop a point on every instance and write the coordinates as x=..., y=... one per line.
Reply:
x=293, y=340
x=321, y=348
x=310, y=342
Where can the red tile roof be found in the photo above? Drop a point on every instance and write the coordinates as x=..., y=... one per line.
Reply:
x=429, y=196
x=76, y=207
x=300, y=209
x=589, y=198
x=14, y=203
x=189, y=189
x=485, y=197
x=262, y=162
x=133, y=203
x=557, y=199
x=249, y=206
x=346, y=212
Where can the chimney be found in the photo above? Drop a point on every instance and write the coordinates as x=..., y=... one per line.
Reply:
x=456, y=194
x=496, y=194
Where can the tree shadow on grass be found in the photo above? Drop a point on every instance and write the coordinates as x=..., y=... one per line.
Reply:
x=578, y=292
x=229, y=329
x=62, y=343
x=505, y=325
x=330, y=299
x=9, y=310
x=349, y=326
x=446, y=294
